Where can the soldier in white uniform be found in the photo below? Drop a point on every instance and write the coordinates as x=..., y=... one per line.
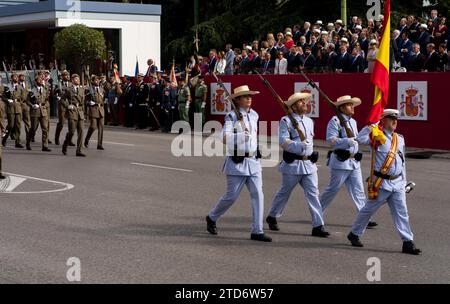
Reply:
x=242, y=165
x=389, y=181
x=344, y=159
x=301, y=169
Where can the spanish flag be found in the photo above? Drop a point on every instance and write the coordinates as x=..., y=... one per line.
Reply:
x=380, y=74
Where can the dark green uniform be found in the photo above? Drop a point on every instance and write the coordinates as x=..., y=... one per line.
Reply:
x=184, y=96
x=25, y=109
x=13, y=111
x=200, y=100
x=73, y=102
x=60, y=91
x=96, y=113
x=39, y=114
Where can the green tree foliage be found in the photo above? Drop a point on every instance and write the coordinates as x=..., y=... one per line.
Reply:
x=79, y=43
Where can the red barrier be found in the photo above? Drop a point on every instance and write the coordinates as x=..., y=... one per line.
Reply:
x=432, y=133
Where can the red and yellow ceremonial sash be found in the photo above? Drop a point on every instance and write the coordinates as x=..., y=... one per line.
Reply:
x=374, y=186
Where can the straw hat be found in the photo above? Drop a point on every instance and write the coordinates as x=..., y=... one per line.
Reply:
x=242, y=91
x=390, y=113
x=296, y=97
x=347, y=99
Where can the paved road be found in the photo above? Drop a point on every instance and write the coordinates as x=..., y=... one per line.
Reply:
x=130, y=223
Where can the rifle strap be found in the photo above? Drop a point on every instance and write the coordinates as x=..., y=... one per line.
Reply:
x=374, y=186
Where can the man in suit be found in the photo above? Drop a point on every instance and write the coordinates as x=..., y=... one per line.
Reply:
x=267, y=66
x=307, y=31
x=212, y=61
x=403, y=26
x=344, y=60
x=73, y=102
x=339, y=28
x=405, y=49
x=229, y=58
x=417, y=59
x=96, y=111
x=293, y=61
x=152, y=68
x=357, y=62
x=332, y=58
x=424, y=38
x=13, y=100
x=432, y=61
x=296, y=34
x=310, y=60
x=434, y=17
x=39, y=112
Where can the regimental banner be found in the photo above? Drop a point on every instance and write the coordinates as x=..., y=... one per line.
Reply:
x=313, y=106
x=412, y=100
x=219, y=104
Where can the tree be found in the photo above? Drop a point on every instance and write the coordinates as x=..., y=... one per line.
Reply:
x=80, y=44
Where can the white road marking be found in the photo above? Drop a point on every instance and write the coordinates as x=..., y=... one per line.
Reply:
x=162, y=167
x=14, y=182
x=116, y=143
x=14, y=178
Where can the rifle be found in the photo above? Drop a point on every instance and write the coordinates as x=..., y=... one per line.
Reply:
x=6, y=72
x=336, y=111
x=286, y=109
x=233, y=106
x=289, y=157
x=29, y=77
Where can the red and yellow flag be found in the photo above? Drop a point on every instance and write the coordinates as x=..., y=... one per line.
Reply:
x=173, y=77
x=116, y=73
x=380, y=74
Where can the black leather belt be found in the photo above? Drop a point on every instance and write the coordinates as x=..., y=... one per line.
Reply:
x=239, y=159
x=343, y=155
x=385, y=176
x=291, y=157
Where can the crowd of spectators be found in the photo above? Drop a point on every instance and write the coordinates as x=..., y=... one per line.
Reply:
x=416, y=45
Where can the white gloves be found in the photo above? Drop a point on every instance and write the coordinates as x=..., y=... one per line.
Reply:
x=58, y=98
x=306, y=144
x=106, y=100
x=203, y=105
x=130, y=105
x=71, y=107
x=116, y=100
x=36, y=106
x=352, y=142
x=172, y=107
x=10, y=100
x=158, y=103
x=91, y=103
x=187, y=106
